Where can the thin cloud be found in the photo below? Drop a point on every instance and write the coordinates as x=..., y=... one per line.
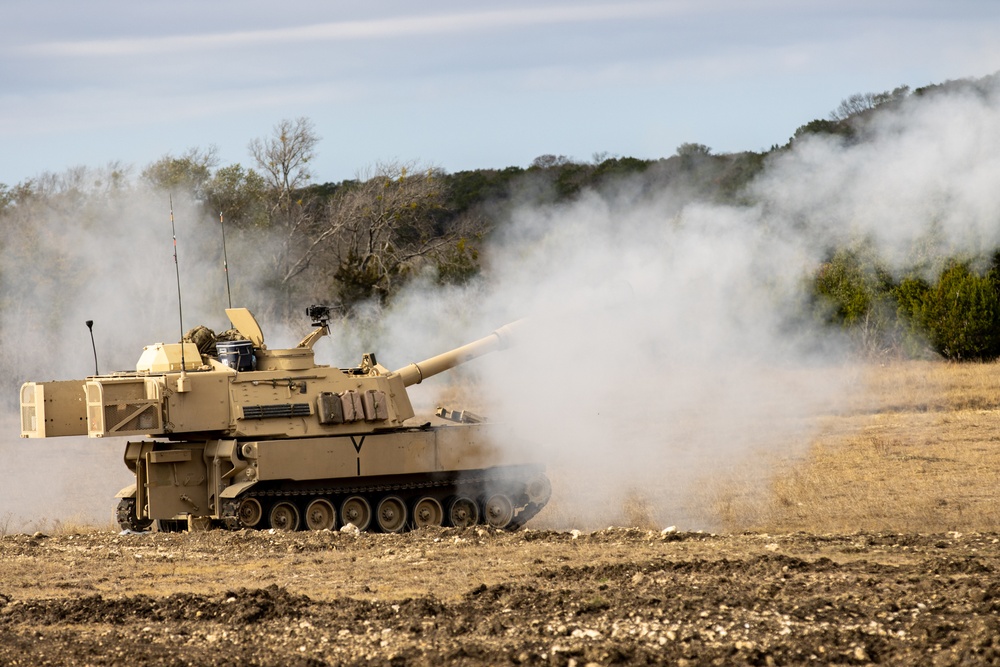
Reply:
x=357, y=30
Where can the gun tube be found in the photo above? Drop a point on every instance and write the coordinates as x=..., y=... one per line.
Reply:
x=500, y=339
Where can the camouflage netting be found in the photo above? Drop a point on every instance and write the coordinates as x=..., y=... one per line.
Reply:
x=206, y=339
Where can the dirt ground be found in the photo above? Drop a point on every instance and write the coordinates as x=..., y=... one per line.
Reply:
x=477, y=597
x=873, y=544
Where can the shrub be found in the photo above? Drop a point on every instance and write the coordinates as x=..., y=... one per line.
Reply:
x=959, y=314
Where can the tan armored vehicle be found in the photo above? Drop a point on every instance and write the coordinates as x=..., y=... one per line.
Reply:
x=244, y=436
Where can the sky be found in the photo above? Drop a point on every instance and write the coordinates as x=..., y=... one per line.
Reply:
x=455, y=85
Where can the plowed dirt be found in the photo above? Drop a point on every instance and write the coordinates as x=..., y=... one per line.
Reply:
x=477, y=597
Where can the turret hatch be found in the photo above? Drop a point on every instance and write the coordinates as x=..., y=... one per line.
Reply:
x=244, y=322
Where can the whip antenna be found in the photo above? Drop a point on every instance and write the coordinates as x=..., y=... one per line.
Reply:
x=225, y=259
x=90, y=325
x=182, y=383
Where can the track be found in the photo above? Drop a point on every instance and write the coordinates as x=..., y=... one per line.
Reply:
x=502, y=498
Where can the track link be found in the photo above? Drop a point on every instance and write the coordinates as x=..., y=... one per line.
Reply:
x=475, y=486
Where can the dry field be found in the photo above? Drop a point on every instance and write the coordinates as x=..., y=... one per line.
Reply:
x=876, y=545
x=917, y=450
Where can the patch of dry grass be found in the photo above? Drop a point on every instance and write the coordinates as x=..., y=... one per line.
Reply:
x=73, y=525
x=918, y=450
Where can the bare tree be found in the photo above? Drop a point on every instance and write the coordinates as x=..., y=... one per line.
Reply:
x=284, y=157
x=859, y=103
x=853, y=105
x=375, y=232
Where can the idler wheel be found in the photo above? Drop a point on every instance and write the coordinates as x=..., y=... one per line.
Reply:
x=498, y=510
x=128, y=518
x=320, y=515
x=357, y=511
x=285, y=516
x=539, y=490
x=427, y=512
x=391, y=514
x=463, y=512
x=250, y=512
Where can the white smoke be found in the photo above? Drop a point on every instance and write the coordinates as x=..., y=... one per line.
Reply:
x=106, y=256
x=665, y=352
x=926, y=174
x=657, y=350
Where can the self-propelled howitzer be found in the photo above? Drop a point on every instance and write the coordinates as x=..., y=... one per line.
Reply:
x=243, y=436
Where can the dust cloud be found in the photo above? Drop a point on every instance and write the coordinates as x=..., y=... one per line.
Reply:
x=665, y=353
x=658, y=351
x=924, y=184
x=667, y=359
x=100, y=255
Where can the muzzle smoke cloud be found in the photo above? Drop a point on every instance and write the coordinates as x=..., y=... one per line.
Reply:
x=106, y=257
x=665, y=353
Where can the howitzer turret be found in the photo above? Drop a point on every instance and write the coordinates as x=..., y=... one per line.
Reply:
x=244, y=436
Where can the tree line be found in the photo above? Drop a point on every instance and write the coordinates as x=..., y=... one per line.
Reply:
x=363, y=239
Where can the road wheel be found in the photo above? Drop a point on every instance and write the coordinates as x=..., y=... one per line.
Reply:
x=498, y=510
x=356, y=511
x=391, y=514
x=250, y=512
x=320, y=515
x=463, y=512
x=427, y=512
x=285, y=516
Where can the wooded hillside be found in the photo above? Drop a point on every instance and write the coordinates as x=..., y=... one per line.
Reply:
x=360, y=241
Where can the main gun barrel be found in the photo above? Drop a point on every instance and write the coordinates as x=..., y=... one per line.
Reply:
x=500, y=339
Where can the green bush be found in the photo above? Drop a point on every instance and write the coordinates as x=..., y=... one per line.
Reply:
x=847, y=286
x=853, y=291
x=959, y=314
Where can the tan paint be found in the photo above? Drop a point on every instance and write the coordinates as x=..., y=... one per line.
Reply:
x=220, y=432
x=52, y=409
